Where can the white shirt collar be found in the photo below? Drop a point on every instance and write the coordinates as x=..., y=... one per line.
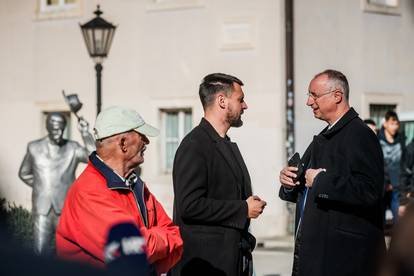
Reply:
x=332, y=125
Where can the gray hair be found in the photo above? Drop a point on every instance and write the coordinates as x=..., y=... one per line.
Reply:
x=337, y=80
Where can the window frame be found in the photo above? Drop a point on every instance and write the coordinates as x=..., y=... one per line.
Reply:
x=380, y=120
x=61, y=10
x=59, y=7
x=168, y=5
x=370, y=7
x=380, y=98
x=181, y=132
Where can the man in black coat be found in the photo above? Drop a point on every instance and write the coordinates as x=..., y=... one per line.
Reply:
x=339, y=222
x=406, y=188
x=213, y=201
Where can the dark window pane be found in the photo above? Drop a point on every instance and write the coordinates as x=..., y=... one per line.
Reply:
x=408, y=130
x=377, y=112
x=52, y=2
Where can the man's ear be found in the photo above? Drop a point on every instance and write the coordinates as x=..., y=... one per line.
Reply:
x=221, y=100
x=123, y=143
x=339, y=97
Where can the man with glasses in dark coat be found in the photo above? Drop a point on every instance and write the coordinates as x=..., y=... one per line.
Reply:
x=339, y=197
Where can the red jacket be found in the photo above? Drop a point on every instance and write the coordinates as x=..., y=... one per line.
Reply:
x=95, y=202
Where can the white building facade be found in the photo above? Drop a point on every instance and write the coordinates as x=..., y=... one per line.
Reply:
x=161, y=51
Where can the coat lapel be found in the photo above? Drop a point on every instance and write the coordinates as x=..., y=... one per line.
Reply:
x=228, y=156
x=320, y=140
x=246, y=176
x=223, y=149
x=346, y=119
x=318, y=143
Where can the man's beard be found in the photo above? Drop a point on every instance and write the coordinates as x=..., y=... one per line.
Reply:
x=234, y=119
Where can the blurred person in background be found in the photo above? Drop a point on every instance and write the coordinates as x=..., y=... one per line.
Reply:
x=400, y=256
x=372, y=125
x=407, y=178
x=392, y=144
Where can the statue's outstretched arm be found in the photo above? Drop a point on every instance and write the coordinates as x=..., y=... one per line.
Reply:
x=87, y=137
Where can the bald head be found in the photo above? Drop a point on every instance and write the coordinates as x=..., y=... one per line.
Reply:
x=327, y=96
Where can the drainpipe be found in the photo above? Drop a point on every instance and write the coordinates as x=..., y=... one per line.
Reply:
x=290, y=98
x=290, y=95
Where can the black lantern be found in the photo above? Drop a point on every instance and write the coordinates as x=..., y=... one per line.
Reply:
x=98, y=34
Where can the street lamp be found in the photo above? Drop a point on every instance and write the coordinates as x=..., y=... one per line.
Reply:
x=98, y=34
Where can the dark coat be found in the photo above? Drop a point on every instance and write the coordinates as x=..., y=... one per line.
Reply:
x=407, y=174
x=393, y=157
x=211, y=183
x=342, y=223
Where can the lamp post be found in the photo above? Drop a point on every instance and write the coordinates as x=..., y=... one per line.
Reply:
x=98, y=34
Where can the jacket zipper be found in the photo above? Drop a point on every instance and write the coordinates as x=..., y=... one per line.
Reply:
x=136, y=202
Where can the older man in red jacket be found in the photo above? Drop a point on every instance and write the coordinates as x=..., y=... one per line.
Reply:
x=109, y=192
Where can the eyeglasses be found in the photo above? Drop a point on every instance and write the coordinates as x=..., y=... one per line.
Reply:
x=315, y=97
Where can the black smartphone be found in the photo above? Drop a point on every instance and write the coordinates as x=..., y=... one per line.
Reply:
x=295, y=161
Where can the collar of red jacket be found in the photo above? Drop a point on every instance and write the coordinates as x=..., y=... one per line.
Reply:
x=113, y=181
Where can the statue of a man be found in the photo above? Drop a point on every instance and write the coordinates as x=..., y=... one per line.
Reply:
x=49, y=167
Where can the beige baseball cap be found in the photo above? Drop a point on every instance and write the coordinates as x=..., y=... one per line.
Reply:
x=116, y=119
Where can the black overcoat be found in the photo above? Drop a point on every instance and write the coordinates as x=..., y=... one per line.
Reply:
x=211, y=184
x=342, y=222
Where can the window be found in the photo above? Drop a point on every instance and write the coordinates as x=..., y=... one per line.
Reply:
x=382, y=6
x=407, y=128
x=164, y=5
x=49, y=9
x=384, y=3
x=56, y=5
x=176, y=123
x=407, y=125
x=377, y=112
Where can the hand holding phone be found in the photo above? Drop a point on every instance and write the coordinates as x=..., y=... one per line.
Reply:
x=296, y=162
